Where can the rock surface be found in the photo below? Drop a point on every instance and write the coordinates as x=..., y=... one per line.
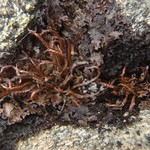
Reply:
x=138, y=12
x=15, y=15
x=136, y=136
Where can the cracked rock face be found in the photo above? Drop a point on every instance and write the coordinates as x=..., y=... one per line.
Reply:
x=14, y=18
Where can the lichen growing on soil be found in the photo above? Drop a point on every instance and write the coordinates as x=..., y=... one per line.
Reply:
x=56, y=77
x=99, y=28
x=59, y=77
x=101, y=44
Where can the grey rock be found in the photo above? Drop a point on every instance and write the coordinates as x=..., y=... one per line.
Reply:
x=138, y=12
x=135, y=136
x=14, y=18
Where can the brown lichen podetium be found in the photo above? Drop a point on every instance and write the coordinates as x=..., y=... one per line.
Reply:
x=57, y=77
x=130, y=86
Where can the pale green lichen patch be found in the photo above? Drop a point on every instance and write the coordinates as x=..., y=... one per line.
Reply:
x=14, y=17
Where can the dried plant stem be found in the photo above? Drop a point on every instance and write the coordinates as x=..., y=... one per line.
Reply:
x=45, y=43
x=15, y=89
x=90, y=81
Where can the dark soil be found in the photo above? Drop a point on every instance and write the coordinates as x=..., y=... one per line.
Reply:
x=93, y=113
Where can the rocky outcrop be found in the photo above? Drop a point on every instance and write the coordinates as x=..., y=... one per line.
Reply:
x=14, y=17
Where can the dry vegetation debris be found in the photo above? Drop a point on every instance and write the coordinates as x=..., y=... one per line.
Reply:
x=130, y=87
x=60, y=77
x=54, y=78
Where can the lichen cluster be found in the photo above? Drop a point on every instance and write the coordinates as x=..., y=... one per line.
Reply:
x=55, y=78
